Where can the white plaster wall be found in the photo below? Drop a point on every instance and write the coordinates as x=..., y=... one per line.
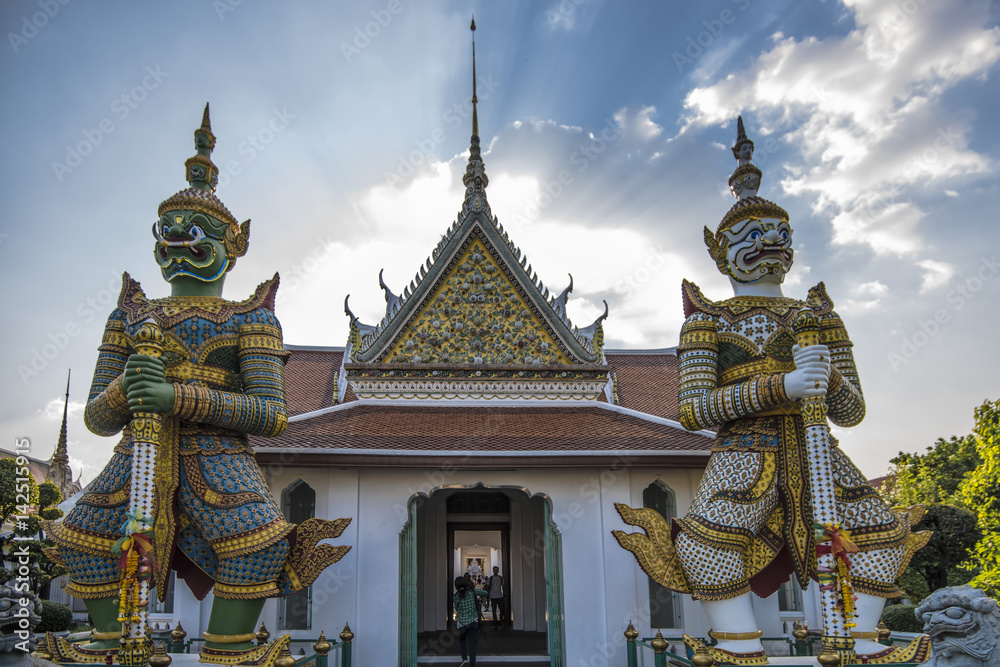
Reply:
x=192, y=614
x=334, y=593
x=631, y=599
x=602, y=585
x=383, y=497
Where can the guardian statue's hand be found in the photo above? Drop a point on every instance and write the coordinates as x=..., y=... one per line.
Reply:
x=811, y=376
x=145, y=385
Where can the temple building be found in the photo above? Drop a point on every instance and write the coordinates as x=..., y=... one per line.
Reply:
x=56, y=469
x=475, y=426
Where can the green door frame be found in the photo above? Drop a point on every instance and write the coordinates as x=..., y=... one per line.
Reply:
x=408, y=588
x=556, y=620
x=554, y=589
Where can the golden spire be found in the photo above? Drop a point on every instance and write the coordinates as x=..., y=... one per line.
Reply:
x=475, y=179
x=475, y=116
x=61, y=455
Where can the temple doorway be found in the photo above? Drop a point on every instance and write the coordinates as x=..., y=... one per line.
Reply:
x=460, y=530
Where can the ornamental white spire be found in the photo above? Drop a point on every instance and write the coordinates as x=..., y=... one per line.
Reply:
x=745, y=181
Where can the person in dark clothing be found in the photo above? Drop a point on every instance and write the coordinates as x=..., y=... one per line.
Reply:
x=468, y=612
x=495, y=586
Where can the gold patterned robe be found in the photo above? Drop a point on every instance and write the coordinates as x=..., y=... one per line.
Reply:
x=751, y=524
x=215, y=521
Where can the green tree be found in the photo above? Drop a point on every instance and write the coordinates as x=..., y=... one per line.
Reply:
x=981, y=493
x=938, y=564
x=10, y=499
x=28, y=532
x=933, y=477
x=47, y=569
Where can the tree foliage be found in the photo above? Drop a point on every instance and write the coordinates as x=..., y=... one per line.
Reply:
x=9, y=483
x=938, y=564
x=28, y=532
x=961, y=473
x=981, y=493
x=902, y=618
x=933, y=477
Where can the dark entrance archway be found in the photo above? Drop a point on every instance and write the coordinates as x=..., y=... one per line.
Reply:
x=527, y=552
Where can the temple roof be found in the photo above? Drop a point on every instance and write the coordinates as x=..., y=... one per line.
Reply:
x=475, y=300
x=473, y=435
x=644, y=380
x=639, y=416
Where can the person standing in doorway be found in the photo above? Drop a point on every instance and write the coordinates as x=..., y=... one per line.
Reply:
x=495, y=586
x=468, y=614
x=481, y=586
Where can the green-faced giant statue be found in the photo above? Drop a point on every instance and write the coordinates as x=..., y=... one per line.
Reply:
x=216, y=377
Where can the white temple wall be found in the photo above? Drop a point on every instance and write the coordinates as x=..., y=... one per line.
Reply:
x=603, y=587
x=383, y=496
x=335, y=591
x=629, y=597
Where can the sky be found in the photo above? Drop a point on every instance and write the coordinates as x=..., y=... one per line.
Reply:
x=343, y=130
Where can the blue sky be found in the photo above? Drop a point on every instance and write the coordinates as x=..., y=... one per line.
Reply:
x=341, y=131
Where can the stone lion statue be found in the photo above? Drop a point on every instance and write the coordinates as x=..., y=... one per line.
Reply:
x=964, y=625
x=17, y=620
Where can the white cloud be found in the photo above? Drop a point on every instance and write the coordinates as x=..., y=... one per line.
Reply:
x=53, y=410
x=888, y=228
x=871, y=288
x=936, y=274
x=638, y=122
x=866, y=111
x=865, y=297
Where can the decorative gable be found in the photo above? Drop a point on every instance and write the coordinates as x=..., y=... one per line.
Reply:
x=475, y=322
x=478, y=313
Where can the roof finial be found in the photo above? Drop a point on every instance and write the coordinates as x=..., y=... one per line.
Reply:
x=475, y=100
x=475, y=179
x=743, y=148
x=61, y=453
x=59, y=472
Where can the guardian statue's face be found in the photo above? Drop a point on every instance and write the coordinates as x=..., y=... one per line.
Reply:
x=759, y=250
x=189, y=243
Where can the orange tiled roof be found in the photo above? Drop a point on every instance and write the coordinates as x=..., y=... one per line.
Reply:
x=646, y=382
x=310, y=378
x=483, y=429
